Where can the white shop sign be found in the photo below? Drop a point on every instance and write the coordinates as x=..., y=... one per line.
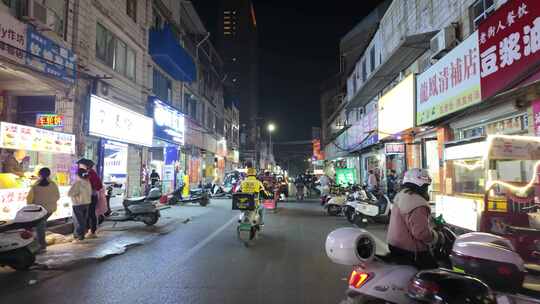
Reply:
x=111, y=121
x=12, y=38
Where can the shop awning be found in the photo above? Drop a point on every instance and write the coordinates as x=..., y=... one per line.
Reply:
x=171, y=56
x=410, y=48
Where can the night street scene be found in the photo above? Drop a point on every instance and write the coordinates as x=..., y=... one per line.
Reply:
x=269, y=151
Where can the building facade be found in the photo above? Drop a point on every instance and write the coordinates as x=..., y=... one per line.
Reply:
x=135, y=85
x=450, y=87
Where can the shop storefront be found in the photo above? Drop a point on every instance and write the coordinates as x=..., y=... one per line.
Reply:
x=167, y=157
x=118, y=135
x=25, y=150
x=36, y=114
x=395, y=125
x=489, y=161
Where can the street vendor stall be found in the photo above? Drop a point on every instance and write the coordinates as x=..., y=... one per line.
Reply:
x=25, y=150
x=492, y=186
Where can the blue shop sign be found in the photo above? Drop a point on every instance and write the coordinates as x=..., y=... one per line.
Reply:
x=169, y=123
x=48, y=57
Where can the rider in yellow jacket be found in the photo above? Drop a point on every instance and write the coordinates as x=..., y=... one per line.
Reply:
x=252, y=185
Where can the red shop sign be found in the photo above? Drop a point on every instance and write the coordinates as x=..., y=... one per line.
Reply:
x=509, y=42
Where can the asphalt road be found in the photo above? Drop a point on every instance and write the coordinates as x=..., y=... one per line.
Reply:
x=203, y=262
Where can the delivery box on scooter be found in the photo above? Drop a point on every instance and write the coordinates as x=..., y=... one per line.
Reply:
x=243, y=201
x=495, y=263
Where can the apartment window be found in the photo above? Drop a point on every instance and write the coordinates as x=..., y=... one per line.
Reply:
x=114, y=52
x=480, y=10
x=131, y=9
x=203, y=114
x=162, y=86
x=364, y=72
x=372, y=59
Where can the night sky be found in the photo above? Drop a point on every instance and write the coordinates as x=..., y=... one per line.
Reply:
x=299, y=49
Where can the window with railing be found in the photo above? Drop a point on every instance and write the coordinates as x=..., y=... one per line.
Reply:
x=115, y=53
x=480, y=10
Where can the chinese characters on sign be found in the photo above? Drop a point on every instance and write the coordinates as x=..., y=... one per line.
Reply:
x=362, y=133
x=12, y=38
x=13, y=136
x=452, y=84
x=49, y=121
x=509, y=42
x=317, y=153
x=49, y=57
x=394, y=148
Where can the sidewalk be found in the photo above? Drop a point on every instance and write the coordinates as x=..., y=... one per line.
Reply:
x=114, y=238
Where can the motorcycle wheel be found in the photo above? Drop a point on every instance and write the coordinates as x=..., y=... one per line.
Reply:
x=204, y=202
x=23, y=259
x=150, y=219
x=332, y=210
x=359, y=220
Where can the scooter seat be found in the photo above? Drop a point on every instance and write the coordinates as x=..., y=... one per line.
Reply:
x=136, y=199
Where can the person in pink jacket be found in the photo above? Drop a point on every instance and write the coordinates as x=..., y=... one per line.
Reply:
x=410, y=234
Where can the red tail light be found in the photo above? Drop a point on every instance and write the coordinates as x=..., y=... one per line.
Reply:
x=26, y=234
x=358, y=278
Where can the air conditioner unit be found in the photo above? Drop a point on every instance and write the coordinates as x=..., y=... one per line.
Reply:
x=102, y=88
x=37, y=14
x=443, y=42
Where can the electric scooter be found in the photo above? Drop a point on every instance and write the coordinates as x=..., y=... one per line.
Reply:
x=17, y=244
x=485, y=270
x=139, y=209
x=370, y=207
x=199, y=196
x=249, y=221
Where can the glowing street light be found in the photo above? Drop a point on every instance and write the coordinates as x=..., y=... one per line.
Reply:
x=271, y=127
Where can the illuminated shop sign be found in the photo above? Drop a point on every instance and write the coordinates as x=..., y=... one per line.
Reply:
x=49, y=121
x=19, y=137
x=111, y=121
x=169, y=124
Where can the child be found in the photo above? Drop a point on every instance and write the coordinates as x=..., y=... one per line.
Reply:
x=81, y=196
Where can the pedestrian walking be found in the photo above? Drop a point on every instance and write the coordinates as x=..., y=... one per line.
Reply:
x=97, y=185
x=372, y=181
x=81, y=196
x=46, y=194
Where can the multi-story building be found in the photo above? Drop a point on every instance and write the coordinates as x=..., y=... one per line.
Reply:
x=448, y=86
x=237, y=42
x=38, y=99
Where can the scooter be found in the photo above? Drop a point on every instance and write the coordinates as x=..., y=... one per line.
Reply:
x=199, y=196
x=485, y=271
x=139, y=209
x=249, y=220
x=371, y=207
x=17, y=244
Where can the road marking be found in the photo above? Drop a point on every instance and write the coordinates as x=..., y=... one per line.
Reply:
x=207, y=240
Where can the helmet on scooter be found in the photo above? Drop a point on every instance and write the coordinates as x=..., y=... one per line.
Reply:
x=419, y=177
x=251, y=172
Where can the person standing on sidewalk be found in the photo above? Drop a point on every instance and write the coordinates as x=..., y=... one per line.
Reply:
x=97, y=185
x=46, y=194
x=81, y=196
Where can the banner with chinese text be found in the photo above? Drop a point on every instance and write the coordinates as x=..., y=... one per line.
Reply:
x=452, y=84
x=509, y=43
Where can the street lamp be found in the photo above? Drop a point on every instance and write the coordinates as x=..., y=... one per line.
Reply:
x=271, y=127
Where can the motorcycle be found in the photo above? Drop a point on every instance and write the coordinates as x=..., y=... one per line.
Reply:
x=199, y=196
x=139, y=209
x=17, y=244
x=249, y=220
x=374, y=207
x=485, y=269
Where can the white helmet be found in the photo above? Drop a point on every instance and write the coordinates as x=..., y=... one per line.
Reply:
x=417, y=176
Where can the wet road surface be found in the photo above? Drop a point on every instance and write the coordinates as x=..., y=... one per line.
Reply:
x=203, y=262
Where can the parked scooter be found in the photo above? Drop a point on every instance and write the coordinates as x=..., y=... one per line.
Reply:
x=370, y=207
x=17, y=244
x=249, y=221
x=486, y=270
x=139, y=209
x=199, y=196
